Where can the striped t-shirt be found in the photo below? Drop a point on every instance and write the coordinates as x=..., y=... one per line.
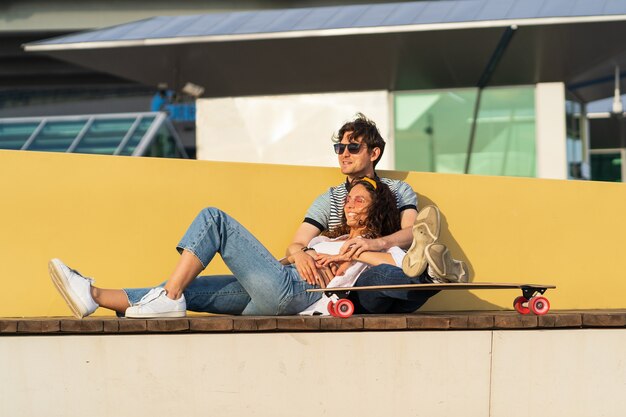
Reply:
x=325, y=212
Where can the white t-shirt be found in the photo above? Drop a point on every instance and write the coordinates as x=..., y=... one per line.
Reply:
x=323, y=244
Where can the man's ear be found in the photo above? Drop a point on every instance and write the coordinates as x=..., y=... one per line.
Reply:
x=374, y=154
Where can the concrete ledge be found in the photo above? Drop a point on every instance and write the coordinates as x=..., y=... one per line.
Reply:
x=235, y=324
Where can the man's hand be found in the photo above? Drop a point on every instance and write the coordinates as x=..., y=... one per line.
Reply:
x=353, y=248
x=341, y=268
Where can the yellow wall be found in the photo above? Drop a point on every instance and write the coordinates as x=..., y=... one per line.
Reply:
x=118, y=220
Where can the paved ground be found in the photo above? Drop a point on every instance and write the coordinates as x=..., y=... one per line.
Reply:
x=497, y=320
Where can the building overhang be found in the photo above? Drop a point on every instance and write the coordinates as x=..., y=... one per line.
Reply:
x=399, y=46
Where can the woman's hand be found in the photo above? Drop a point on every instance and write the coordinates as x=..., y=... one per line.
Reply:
x=327, y=260
x=310, y=271
x=341, y=268
x=338, y=264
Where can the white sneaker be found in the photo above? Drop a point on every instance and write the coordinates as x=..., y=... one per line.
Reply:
x=425, y=231
x=441, y=267
x=73, y=287
x=156, y=304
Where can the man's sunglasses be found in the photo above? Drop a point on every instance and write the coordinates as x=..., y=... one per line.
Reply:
x=353, y=148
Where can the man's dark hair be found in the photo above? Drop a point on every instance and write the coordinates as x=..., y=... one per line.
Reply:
x=363, y=127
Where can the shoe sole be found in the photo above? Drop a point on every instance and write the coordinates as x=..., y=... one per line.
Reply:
x=414, y=262
x=443, y=275
x=60, y=282
x=431, y=262
x=171, y=314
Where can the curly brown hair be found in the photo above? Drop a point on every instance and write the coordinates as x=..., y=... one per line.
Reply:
x=383, y=216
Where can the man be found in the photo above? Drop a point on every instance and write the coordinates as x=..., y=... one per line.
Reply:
x=359, y=147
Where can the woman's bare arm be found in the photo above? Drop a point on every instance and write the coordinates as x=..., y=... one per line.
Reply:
x=402, y=238
x=370, y=258
x=376, y=258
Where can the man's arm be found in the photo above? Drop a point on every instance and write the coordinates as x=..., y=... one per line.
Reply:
x=402, y=238
x=301, y=239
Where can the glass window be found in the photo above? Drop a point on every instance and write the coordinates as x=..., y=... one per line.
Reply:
x=606, y=166
x=432, y=131
x=57, y=136
x=95, y=134
x=14, y=135
x=574, y=143
x=141, y=130
x=163, y=145
x=505, y=133
x=104, y=136
x=607, y=132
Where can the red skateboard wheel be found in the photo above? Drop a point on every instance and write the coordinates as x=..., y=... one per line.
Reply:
x=344, y=308
x=539, y=305
x=519, y=306
x=332, y=308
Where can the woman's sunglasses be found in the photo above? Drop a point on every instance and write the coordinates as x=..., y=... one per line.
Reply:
x=357, y=201
x=353, y=148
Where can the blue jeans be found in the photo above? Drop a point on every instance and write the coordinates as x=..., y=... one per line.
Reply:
x=260, y=285
x=378, y=302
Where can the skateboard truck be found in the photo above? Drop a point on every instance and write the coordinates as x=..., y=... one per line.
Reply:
x=533, y=301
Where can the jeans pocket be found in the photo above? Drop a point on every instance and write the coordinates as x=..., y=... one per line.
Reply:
x=299, y=300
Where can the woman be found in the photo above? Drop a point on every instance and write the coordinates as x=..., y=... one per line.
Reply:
x=260, y=285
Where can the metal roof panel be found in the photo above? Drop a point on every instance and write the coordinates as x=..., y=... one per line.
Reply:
x=526, y=9
x=147, y=29
x=119, y=32
x=615, y=7
x=404, y=14
x=201, y=25
x=232, y=22
x=436, y=12
x=585, y=8
x=259, y=22
x=345, y=17
x=315, y=18
x=180, y=25
x=287, y=20
x=557, y=8
x=375, y=16
x=494, y=9
x=463, y=11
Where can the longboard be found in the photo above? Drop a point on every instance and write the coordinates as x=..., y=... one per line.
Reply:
x=531, y=300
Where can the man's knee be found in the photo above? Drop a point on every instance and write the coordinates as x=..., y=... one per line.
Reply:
x=380, y=275
x=369, y=278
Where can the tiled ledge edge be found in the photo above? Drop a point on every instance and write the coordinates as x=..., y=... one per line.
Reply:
x=237, y=324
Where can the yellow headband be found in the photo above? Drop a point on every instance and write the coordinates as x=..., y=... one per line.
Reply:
x=371, y=181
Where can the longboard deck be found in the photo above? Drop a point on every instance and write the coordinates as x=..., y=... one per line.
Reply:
x=532, y=299
x=432, y=287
